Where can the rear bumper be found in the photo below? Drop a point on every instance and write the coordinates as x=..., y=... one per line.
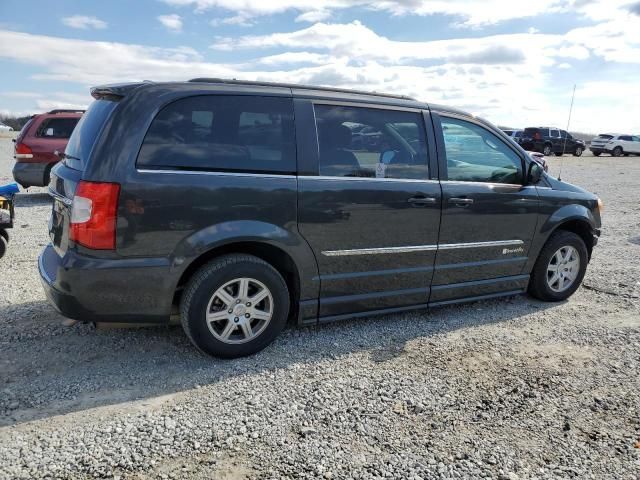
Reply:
x=30, y=174
x=597, y=149
x=107, y=290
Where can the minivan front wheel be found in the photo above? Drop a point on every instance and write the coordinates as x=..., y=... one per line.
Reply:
x=560, y=267
x=234, y=306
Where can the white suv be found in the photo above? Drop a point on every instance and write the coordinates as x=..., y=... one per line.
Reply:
x=616, y=145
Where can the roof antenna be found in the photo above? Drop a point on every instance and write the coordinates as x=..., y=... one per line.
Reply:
x=565, y=137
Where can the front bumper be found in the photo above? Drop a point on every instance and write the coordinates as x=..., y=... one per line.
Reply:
x=107, y=290
x=30, y=174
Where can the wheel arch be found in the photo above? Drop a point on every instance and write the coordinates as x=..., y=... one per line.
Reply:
x=582, y=228
x=275, y=256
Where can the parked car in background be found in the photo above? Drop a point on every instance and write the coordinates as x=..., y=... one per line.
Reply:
x=597, y=144
x=5, y=128
x=548, y=140
x=212, y=197
x=37, y=142
x=515, y=134
x=618, y=145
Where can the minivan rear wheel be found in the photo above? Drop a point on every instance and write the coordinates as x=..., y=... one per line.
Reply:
x=560, y=267
x=234, y=306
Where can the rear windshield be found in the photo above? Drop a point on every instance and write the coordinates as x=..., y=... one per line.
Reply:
x=86, y=133
x=57, y=127
x=605, y=137
x=25, y=127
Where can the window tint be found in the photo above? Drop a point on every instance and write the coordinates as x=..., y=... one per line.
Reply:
x=554, y=133
x=605, y=136
x=223, y=132
x=474, y=154
x=625, y=137
x=635, y=139
x=518, y=134
x=57, y=127
x=368, y=142
x=86, y=133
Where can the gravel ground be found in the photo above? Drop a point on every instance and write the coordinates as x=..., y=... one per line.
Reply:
x=501, y=389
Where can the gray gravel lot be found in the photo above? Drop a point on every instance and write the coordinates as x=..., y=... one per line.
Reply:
x=505, y=389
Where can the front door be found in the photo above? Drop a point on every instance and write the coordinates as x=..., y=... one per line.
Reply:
x=488, y=216
x=371, y=210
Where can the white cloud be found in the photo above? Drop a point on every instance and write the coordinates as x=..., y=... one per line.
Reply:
x=295, y=57
x=313, y=16
x=469, y=13
x=356, y=41
x=237, y=20
x=84, y=22
x=173, y=22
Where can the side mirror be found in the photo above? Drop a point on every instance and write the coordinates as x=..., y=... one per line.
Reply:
x=48, y=132
x=535, y=173
x=387, y=156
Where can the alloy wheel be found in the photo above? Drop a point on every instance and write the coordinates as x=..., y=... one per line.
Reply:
x=239, y=311
x=563, y=268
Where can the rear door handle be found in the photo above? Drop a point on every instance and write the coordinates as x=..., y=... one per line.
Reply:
x=422, y=200
x=461, y=202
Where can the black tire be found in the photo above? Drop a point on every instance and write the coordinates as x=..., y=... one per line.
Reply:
x=558, y=154
x=538, y=285
x=210, y=278
x=577, y=152
x=3, y=246
x=4, y=234
x=546, y=151
x=626, y=154
x=617, y=151
x=596, y=154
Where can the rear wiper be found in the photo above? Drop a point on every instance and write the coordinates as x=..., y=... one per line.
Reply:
x=64, y=155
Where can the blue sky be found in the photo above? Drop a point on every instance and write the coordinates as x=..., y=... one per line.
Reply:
x=514, y=63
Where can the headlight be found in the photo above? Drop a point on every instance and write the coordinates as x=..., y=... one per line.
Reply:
x=600, y=205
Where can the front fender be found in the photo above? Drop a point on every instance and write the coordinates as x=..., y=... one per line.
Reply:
x=566, y=214
x=552, y=219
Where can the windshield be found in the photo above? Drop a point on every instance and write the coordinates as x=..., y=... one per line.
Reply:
x=86, y=133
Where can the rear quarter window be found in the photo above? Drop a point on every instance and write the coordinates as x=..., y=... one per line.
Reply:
x=225, y=133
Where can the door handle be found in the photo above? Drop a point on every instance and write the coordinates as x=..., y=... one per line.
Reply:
x=461, y=202
x=421, y=200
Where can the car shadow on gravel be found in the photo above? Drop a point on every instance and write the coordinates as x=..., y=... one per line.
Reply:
x=48, y=369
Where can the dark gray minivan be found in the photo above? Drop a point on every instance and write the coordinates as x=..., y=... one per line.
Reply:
x=242, y=205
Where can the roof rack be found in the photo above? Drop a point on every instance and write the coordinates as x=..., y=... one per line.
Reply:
x=66, y=110
x=294, y=85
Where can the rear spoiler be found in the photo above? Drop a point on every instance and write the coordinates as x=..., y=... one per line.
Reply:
x=116, y=91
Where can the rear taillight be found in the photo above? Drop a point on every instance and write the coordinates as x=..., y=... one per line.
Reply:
x=537, y=136
x=93, y=215
x=23, y=151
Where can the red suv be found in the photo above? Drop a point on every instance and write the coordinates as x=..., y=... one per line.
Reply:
x=36, y=143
